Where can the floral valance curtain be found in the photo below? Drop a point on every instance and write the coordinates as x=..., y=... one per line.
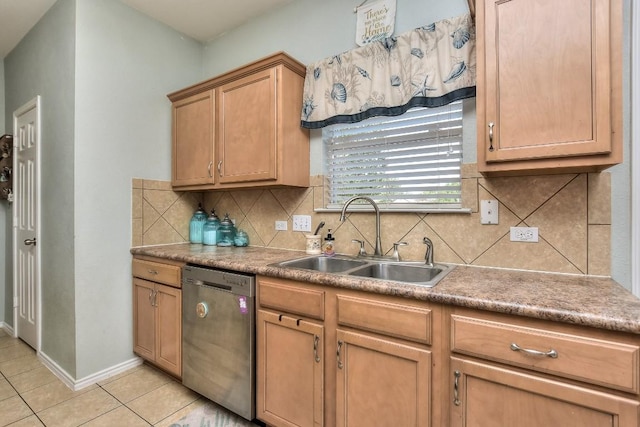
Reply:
x=430, y=66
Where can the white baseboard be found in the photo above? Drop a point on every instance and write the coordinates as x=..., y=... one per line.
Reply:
x=8, y=329
x=64, y=376
x=90, y=379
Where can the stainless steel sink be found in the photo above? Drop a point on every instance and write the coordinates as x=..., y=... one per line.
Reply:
x=416, y=273
x=323, y=264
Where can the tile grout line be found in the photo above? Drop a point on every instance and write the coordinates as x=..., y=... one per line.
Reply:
x=21, y=398
x=98, y=387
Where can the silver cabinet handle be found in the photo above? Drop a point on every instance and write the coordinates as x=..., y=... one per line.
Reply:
x=155, y=298
x=30, y=241
x=456, y=378
x=491, y=124
x=551, y=353
x=209, y=169
x=151, y=297
x=316, y=341
x=152, y=271
x=220, y=168
x=338, y=354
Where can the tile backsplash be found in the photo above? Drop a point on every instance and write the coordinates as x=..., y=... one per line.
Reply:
x=572, y=213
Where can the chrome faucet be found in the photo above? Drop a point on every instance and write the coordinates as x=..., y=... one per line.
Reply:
x=378, y=248
x=428, y=256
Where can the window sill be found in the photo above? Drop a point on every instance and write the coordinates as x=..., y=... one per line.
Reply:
x=365, y=209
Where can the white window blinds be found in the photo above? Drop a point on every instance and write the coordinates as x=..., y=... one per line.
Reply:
x=411, y=161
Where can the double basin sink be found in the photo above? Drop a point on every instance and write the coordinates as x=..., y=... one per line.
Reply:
x=415, y=273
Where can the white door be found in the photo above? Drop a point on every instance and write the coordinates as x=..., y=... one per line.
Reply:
x=26, y=218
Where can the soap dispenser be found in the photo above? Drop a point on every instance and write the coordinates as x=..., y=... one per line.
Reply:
x=196, y=224
x=328, y=246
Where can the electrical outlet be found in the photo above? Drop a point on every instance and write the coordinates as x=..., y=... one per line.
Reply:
x=302, y=223
x=524, y=234
x=281, y=225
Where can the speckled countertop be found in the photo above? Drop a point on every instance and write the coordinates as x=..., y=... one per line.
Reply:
x=583, y=300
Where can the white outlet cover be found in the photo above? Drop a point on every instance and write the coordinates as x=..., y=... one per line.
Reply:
x=301, y=223
x=281, y=225
x=489, y=211
x=524, y=234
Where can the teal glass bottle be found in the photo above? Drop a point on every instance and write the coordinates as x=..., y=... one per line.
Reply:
x=241, y=238
x=196, y=224
x=226, y=232
x=210, y=228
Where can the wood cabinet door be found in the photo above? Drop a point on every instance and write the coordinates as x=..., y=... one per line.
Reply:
x=381, y=383
x=290, y=371
x=168, y=306
x=544, y=79
x=144, y=323
x=247, y=139
x=486, y=395
x=193, y=160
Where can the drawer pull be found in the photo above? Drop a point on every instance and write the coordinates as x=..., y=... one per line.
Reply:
x=551, y=353
x=152, y=271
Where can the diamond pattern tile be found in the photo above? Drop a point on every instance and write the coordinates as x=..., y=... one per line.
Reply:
x=572, y=212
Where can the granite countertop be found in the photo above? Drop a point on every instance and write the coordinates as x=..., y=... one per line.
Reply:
x=582, y=300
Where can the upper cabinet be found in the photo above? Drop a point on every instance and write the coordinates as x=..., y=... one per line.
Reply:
x=193, y=140
x=242, y=129
x=549, y=95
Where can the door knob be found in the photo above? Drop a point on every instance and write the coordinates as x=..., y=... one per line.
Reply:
x=30, y=241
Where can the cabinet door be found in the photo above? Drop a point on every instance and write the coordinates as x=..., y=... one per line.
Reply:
x=290, y=371
x=485, y=395
x=193, y=133
x=381, y=383
x=168, y=305
x=247, y=128
x=544, y=79
x=144, y=324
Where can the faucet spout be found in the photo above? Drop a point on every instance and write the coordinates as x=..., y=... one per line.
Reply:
x=428, y=256
x=343, y=217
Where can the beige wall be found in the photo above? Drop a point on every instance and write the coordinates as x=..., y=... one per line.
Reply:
x=571, y=211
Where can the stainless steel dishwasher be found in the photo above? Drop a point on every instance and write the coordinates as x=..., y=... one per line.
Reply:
x=218, y=337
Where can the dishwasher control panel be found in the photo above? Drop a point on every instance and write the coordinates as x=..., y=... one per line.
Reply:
x=234, y=282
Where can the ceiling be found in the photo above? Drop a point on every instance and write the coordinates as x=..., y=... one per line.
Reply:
x=202, y=20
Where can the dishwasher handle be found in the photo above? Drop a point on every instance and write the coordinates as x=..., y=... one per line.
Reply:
x=198, y=282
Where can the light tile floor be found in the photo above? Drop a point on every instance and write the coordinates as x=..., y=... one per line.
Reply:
x=30, y=395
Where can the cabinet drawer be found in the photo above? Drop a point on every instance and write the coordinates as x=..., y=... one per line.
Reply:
x=296, y=300
x=157, y=272
x=407, y=322
x=608, y=363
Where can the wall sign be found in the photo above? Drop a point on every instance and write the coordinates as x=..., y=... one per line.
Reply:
x=375, y=21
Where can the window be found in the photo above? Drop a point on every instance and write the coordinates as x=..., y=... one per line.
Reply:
x=406, y=162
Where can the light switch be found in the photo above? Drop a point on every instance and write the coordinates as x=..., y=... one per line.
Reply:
x=488, y=211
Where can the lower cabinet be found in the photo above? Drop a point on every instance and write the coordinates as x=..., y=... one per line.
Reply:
x=343, y=358
x=381, y=382
x=291, y=367
x=157, y=315
x=510, y=370
x=330, y=357
x=487, y=395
